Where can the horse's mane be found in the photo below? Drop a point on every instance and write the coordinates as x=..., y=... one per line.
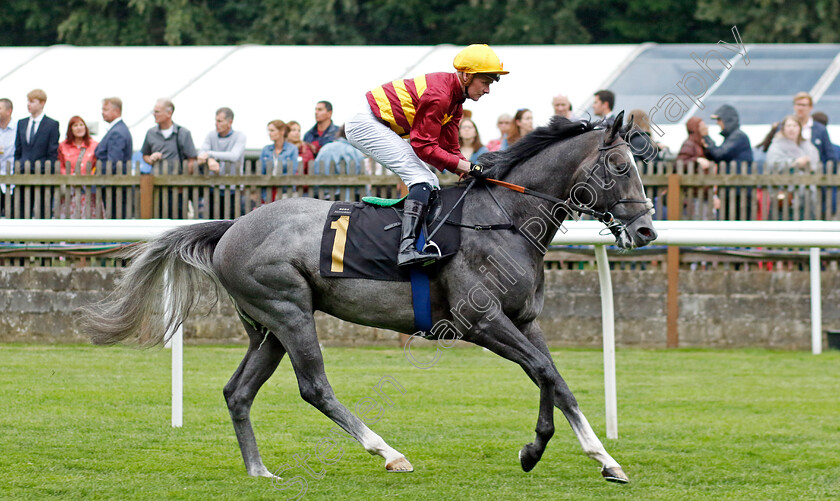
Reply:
x=497, y=164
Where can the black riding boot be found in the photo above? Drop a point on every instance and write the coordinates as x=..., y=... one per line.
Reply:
x=414, y=212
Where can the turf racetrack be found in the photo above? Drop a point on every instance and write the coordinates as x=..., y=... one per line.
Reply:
x=83, y=422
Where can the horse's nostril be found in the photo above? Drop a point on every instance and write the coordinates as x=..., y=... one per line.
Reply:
x=648, y=233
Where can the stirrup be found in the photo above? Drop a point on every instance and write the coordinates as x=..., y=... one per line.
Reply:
x=436, y=249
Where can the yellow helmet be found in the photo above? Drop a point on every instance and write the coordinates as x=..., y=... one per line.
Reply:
x=479, y=58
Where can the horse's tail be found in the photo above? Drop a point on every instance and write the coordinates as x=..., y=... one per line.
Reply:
x=157, y=290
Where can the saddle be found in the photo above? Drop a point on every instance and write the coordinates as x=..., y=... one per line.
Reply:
x=361, y=239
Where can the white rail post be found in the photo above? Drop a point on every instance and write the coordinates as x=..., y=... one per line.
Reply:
x=176, y=343
x=608, y=321
x=178, y=378
x=816, y=302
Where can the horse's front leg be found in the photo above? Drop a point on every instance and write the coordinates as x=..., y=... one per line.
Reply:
x=500, y=336
x=566, y=402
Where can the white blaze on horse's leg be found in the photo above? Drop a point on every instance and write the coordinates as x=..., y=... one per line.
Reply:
x=374, y=444
x=589, y=441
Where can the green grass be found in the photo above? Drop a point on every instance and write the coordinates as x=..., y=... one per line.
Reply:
x=81, y=422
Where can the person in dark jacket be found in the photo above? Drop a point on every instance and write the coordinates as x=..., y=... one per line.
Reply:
x=37, y=136
x=116, y=145
x=736, y=144
x=643, y=148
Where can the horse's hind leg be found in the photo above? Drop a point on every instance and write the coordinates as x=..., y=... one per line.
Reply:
x=297, y=333
x=566, y=402
x=264, y=354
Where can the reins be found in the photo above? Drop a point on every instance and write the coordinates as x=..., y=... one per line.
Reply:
x=612, y=224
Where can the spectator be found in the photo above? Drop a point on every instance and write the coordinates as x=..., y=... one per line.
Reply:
x=7, y=149
x=116, y=145
x=76, y=154
x=470, y=141
x=76, y=157
x=333, y=154
x=223, y=150
x=760, y=150
x=603, y=105
x=523, y=123
x=736, y=144
x=37, y=136
x=171, y=146
x=692, y=150
x=822, y=118
x=306, y=152
x=643, y=147
x=830, y=202
x=790, y=150
x=503, y=123
x=169, y=142
x=280, y=158
x=562, y=106
x=137, y=159
x=324, y=130
x=813, y=131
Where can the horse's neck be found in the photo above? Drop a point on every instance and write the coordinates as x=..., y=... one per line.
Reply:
x=533, y=214
x=536, y=218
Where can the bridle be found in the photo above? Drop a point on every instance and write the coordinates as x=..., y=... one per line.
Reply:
x=615, y=226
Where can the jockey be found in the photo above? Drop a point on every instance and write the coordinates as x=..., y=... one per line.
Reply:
x=427, y=111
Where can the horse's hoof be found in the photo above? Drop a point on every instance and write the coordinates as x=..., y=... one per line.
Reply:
x=529, y=456
x=614, y=474
x=399, y=465
x=262, y=472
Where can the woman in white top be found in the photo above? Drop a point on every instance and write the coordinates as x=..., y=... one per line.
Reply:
x=790, y=152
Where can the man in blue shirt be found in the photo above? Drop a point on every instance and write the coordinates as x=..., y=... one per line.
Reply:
x=223, y=150
x=324, y=130
x=7, y=149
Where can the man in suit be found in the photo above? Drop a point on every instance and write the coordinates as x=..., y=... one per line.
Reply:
x=813, y=131
x=603, y=105
x=37, y=136
x=116, y=145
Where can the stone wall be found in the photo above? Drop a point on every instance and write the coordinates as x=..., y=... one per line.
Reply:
x=717, y=309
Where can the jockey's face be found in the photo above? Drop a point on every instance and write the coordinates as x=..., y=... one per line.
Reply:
x=479, y=86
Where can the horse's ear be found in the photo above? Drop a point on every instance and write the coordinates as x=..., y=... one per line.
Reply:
x=615, y=128
x=627, y=127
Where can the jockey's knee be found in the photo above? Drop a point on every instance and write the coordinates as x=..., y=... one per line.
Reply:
x=420, y=192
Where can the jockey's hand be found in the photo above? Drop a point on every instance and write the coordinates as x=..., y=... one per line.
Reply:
x=463, y=169
x=477, y=171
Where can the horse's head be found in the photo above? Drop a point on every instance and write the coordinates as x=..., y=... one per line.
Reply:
x=612, y=188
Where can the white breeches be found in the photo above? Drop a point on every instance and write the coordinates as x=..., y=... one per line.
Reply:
x=378, y=141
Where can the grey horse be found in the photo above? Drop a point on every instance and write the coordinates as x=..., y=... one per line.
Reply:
x=489, y=293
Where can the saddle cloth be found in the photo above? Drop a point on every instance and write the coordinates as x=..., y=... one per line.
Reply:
x=362, y=240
